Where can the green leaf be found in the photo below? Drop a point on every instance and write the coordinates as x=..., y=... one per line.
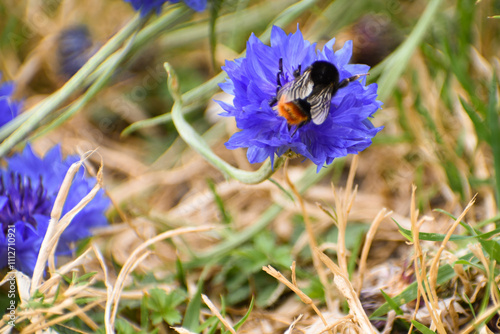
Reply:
x=180, y=275
x=226, y=217
x=84, y=278
x=215, y=325
x=124, y=327
x=493, y=219
x=264, y=242
x=440, y=237
x=445, y=273
x=404, y=232
x=392, y=303
x=172, y=316
x=211, y=322
x=223, y=306
x=468, y=263
x=191, y=319
x=144, y=311
x=479, y=125
x=286, y=192
x=471, y=307
x=492, y=247
x=245, y=317
x=163, y=306
x=422, y=328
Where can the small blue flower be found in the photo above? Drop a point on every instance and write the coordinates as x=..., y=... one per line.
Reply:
x=9, y=108
x=74, y=49
x=28, y=189
x=253, y=83
x=146, y=6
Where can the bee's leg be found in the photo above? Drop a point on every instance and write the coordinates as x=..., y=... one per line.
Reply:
x=300, y=125
x=278, y=82
x=345, y=82
x=280, y=72
x=297, y=72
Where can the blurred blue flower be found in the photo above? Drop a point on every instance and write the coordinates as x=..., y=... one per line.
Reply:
x=8, y=107
x=146, y=6
x=197, y=5
x=28, y=189
x=74, y=49
x=253, y=83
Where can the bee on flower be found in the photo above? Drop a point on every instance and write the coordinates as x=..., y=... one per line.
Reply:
x=291, y=97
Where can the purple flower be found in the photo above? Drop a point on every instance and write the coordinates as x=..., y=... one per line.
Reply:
x=28, y=188
x=253, y=83
x=146, y=6
x=8, y=107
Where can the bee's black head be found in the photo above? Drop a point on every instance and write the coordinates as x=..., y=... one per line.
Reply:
x=324, y=73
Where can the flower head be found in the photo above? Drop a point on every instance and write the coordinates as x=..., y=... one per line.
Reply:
x=8, y=107
x=146, y=6
x=28, y=188
x=253, y=83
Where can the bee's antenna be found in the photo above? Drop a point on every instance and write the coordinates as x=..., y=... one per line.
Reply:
x=280, y=72
x=278, y=82
x=345, y=82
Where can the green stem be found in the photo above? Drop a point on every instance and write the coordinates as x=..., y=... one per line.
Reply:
x=493, y=122
x=95, y=88
x=152, y=30
x=40, y=111
x=10, y=127
x=191, y=137
x=149, y=32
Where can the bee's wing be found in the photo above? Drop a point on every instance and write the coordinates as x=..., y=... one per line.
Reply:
x=320, y=105
x=300, y=88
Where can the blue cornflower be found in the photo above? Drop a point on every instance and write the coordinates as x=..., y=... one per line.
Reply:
x=146, y=6
x=253, y=83
x=8, y=107
x=28, y=188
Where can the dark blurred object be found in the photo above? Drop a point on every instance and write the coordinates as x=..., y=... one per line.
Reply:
x=74, y=48
x=374, y=37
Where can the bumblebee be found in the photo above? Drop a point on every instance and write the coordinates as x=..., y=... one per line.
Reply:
x=308, y=97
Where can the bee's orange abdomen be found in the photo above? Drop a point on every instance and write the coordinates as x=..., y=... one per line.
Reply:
x=293, y=114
